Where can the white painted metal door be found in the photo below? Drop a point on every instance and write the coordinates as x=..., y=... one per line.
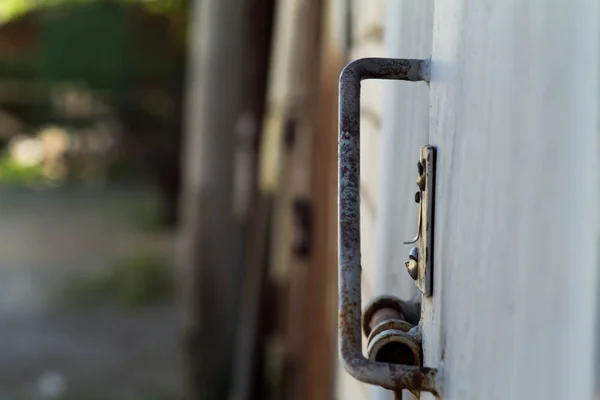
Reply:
x=513, y=110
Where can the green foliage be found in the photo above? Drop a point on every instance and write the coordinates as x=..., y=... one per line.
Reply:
x=13, y=173
x=139, y=279
x=13, y=8
x=10, y=9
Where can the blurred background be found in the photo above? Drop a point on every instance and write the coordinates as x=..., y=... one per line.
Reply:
x=90, y=131
x=161, y=175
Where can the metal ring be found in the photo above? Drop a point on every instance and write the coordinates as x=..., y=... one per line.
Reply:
x=390, y=324
x=394, y=336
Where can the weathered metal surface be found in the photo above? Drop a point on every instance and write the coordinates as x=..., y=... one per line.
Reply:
x=384, y=308
x=395, y=346
x=390, y=376
x=409, y=311
x=420, y=259
x=424, y=259
x=396, y=324
x=390, y=337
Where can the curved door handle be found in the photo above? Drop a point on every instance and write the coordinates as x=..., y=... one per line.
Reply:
x=390, y=376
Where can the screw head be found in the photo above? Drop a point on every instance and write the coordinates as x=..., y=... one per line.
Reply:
x=412, y=265
x=414, y=254
x=413, y=269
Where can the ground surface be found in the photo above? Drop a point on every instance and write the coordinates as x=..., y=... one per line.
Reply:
x=98, y=353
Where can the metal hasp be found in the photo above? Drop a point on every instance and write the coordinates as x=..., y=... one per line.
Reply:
x=420, y=259
x=390, y=376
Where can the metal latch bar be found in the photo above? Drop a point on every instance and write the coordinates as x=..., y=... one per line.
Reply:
x=390, y=376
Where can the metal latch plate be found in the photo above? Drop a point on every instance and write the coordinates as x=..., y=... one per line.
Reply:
x=426, y=168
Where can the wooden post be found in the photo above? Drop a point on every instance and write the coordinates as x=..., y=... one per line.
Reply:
x=286, y=175
x=321, y=296
x=253, y=206
x=210, y=245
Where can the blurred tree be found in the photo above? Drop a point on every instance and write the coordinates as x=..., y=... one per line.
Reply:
x=13, y=8
x=80, y=62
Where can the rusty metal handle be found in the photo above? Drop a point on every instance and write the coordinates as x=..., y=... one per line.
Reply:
x=390, y=376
